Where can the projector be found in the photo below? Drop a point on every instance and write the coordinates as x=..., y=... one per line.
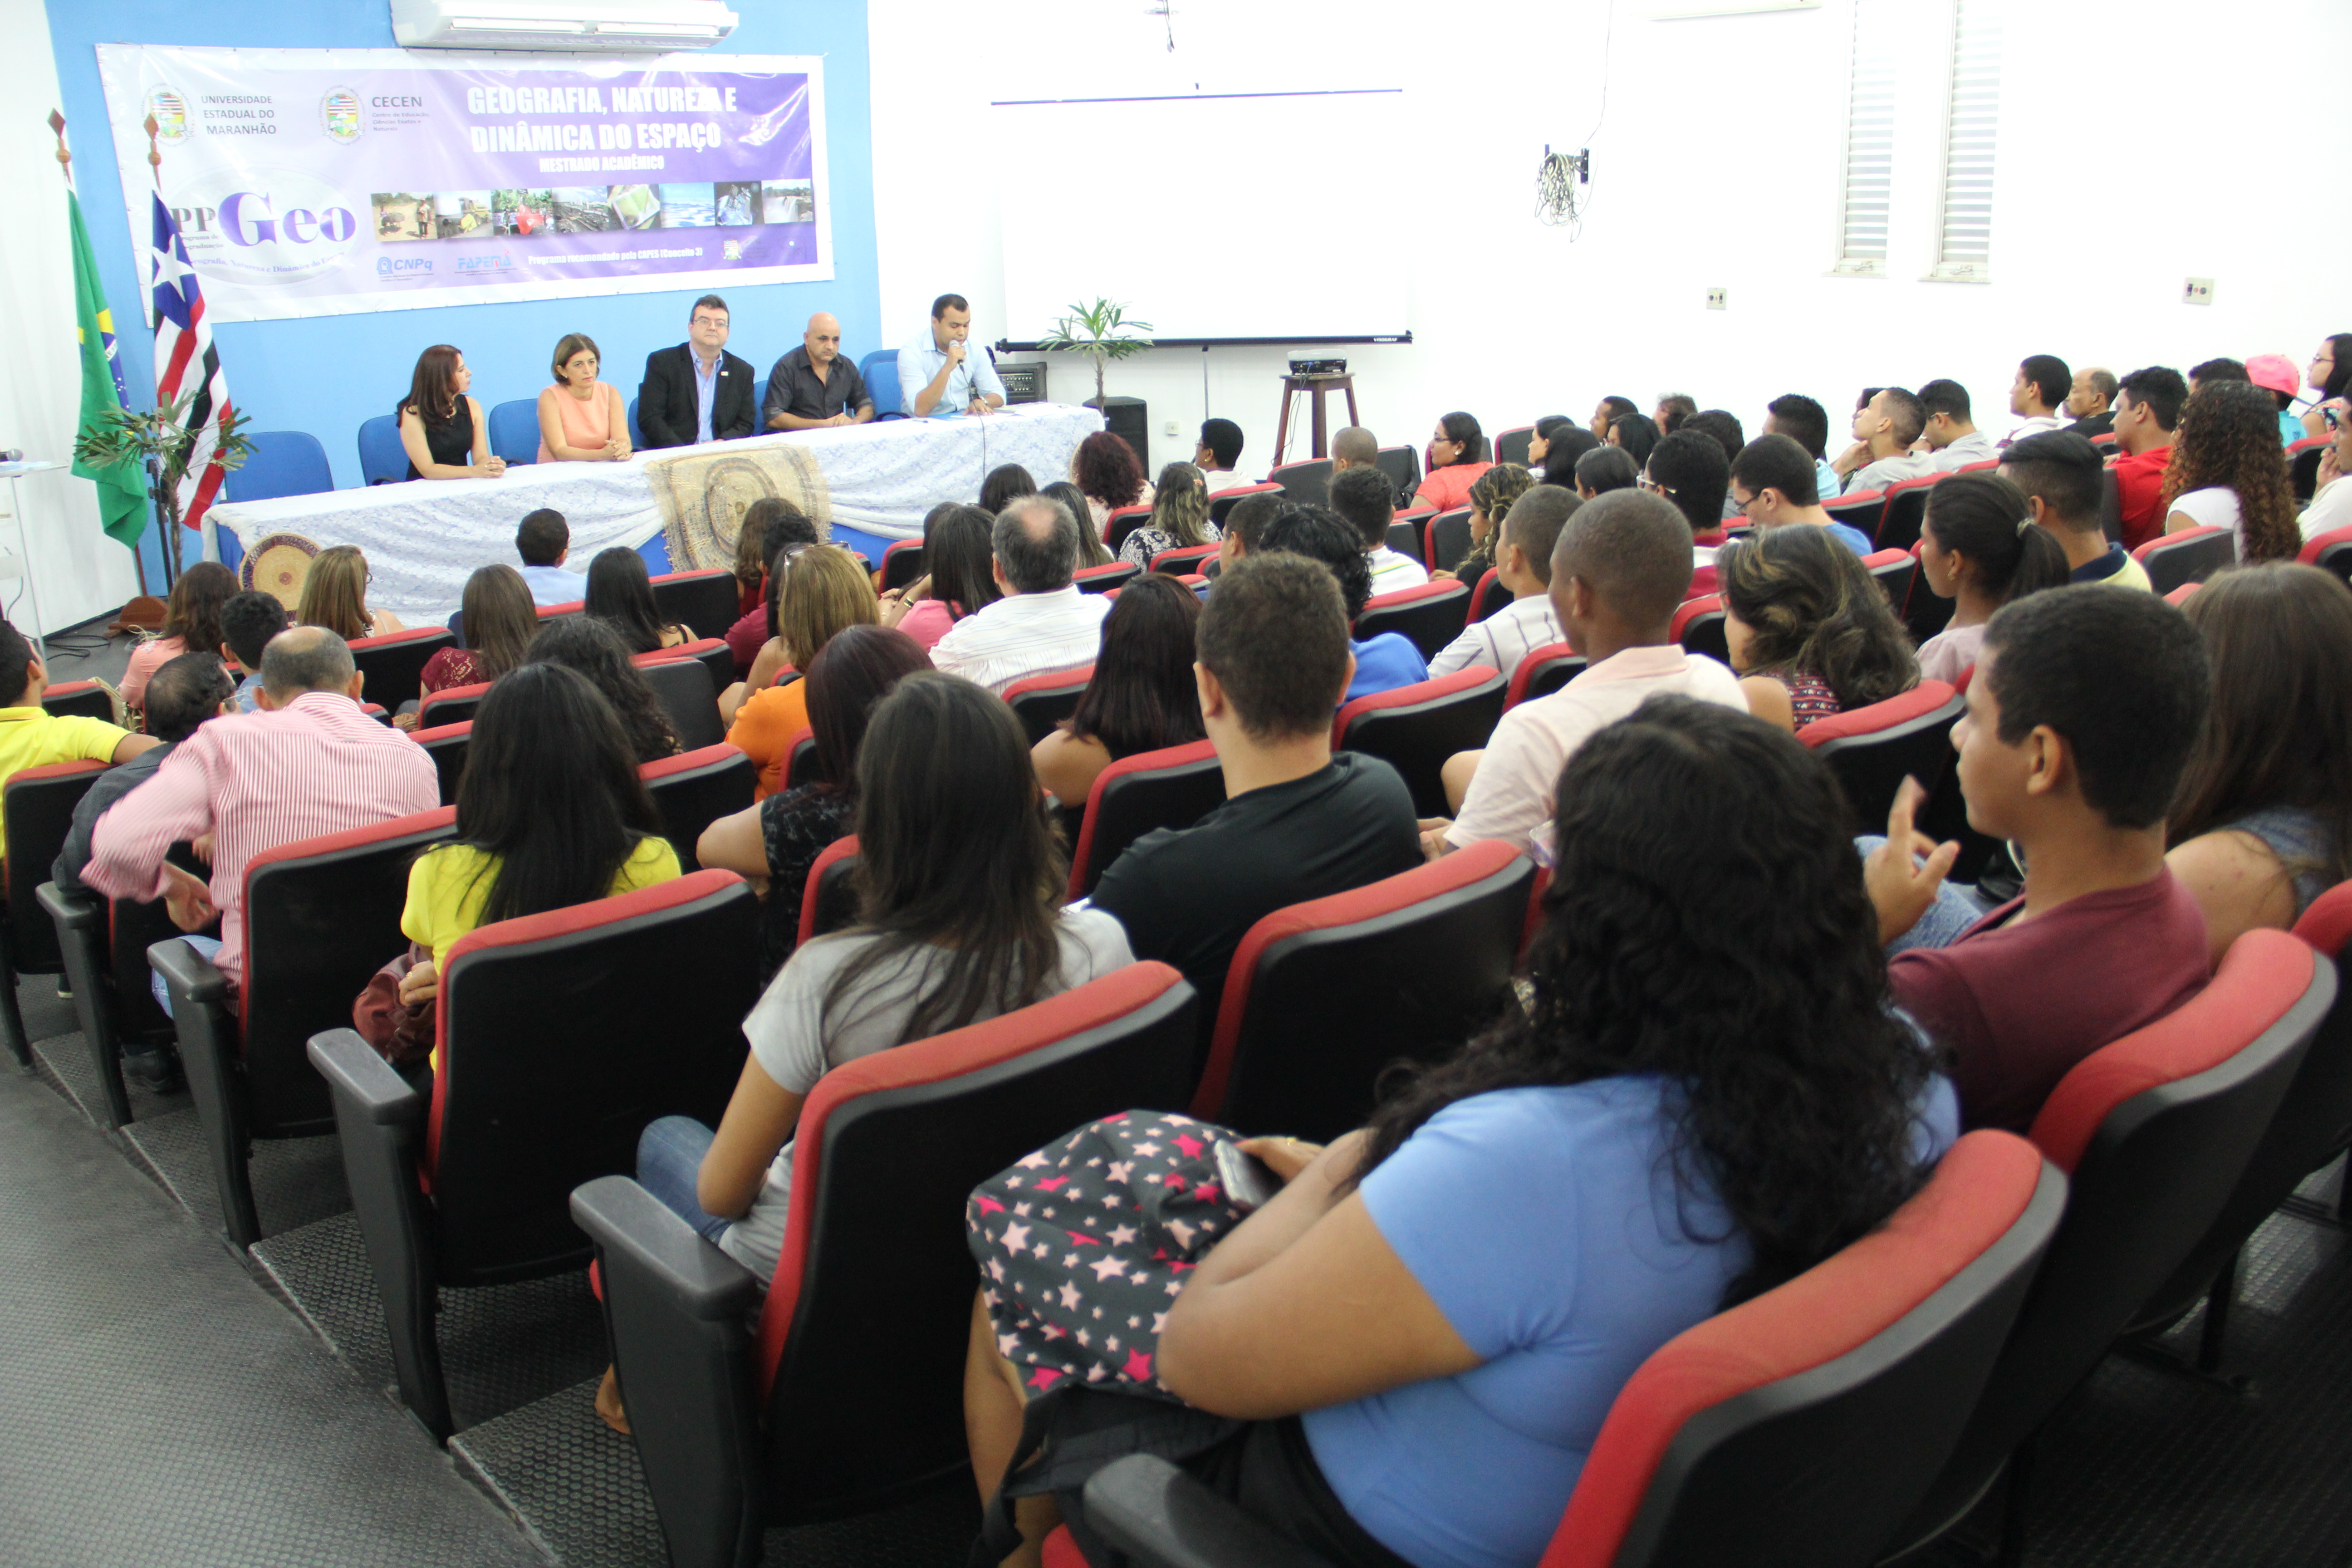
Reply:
x=1307, y=365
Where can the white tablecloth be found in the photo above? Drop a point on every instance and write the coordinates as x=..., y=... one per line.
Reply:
x=426, y=537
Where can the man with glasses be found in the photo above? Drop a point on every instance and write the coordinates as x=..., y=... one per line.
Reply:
x=1772, y=481
x=697, y=391
x=814, y=387
x=2331, y=505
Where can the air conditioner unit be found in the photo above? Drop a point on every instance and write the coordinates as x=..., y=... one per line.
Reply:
x=572, y=26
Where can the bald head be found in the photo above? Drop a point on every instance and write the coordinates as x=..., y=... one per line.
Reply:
x=1354, y=447
x=823, y=339
x=306, y=658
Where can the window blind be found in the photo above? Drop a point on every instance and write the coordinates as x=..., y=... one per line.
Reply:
x=1868, y=180
x=1971, y=125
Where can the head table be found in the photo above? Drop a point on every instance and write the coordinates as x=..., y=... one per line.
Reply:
x=425, y=537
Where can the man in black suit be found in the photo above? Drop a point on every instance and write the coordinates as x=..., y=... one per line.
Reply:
x=697, y=391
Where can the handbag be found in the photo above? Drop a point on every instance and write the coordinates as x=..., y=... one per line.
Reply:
x=400, y=1034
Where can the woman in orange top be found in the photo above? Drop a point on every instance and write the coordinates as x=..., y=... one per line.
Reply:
x=1457, y=455
x=810, y=596
x=580, y=419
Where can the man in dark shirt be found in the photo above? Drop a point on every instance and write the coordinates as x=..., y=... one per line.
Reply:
x=814, y=387
x=1299, y=823
x=2092, y=401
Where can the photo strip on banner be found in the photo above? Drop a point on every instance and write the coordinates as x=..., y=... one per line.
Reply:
x=333, y=182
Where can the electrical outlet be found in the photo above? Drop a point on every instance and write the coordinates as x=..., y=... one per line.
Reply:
x=1168, y=428
x=10, y=568
x=1715, y=299
x=2199, y=292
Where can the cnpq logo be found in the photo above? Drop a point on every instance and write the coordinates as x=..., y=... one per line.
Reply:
x=272, y=225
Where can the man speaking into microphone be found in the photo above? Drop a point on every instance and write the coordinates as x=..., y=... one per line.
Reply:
x=938, y=377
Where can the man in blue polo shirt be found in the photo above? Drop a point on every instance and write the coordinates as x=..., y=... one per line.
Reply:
x=936, y=378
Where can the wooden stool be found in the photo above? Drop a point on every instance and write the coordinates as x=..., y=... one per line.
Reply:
x=1315, y=387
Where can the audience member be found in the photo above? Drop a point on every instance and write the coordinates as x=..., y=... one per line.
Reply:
x=499, y=623
x=1635, y=434
x=1773, y=486
x=2228, y=470
x=1218, y=455
x=2276, y=374
x=1362, y=499
x=753, y=547
x=1354, y=447
x=788, y=535
x=1092, y=550
x=590, y=649
x=1141, y=696
x=1457, y=455
x=2214, y=370
x=819, y=594
x=2147, y=408
x=2044, y=383
x=2062, y=480
x=581, y=418
x=334, y=596
x=1608, y=412
x=248, y=620
x=2090, y=400
x=1243, y=524
x=1689, y=470
x=1808, y=629
x=1620, y=568
x=1539, y=441
x=312, y=763
x=33, y=736
x=1731, y=435
x=1806, y=422
x=1606, y=468
x=774, y=844
x=544, y=541
x=1044, y=622
x=2331, y=505
x=1109, y=475
x=1979, y=549
x=2329, y=373
x=191, y=625
x=1565, y=448
x=1179, y=519
x=1950, y=437
x=621, y=595
x=1490, y=498
x=1385, y=661
x=2086, y=703
x=1672, y=408
x=1885, y=428
x=443, y=432
x=1523, y=566
x=1005, y=484
x=1298, y=822
x=959, y=575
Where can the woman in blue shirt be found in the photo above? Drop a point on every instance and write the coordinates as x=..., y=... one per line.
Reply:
x=1705, y=1095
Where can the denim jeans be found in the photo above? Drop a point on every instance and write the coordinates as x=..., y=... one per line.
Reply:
x=1955, y=909
x=669, y=1157
x=206, y=947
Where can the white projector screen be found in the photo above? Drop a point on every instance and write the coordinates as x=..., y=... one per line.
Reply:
x=1088, y=213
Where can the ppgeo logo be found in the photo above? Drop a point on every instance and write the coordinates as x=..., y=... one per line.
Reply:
x=267, y=225
x=403, y=267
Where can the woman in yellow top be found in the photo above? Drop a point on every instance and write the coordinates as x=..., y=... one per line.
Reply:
x=812, y=595
x=552, y=814
x=582, y=419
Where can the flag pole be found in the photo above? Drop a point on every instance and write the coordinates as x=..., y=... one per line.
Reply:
x=171, y=537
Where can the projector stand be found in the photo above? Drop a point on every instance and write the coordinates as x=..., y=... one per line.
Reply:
x=1315, y=387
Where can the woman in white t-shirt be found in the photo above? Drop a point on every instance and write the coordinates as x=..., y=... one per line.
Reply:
x=2229, y=470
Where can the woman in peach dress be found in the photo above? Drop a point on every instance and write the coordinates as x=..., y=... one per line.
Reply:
x=580, y=419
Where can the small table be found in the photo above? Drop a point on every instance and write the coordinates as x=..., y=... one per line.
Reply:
x=1315, y=387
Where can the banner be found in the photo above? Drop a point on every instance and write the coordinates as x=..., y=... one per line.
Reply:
x=333, y=182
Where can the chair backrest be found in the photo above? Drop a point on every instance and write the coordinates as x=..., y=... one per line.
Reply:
x=1404, y=538
x=1183, y=559
x=879, y=372
x=393, y=663
x=1490, y=597
x=704, y=600
x=1893, y=571
x=563, y=1034
x=40, y=810
x=1042, y=701
x=1872, y=748
x=282, y=463
x=1171, y=788
x=451, y=705
x=1907, y=512
x=1416, y=728
x=2191, y=555
x=887, y=1152
x=1122, y=521
x=2303, y=466
x=1860, y=509
x=828, y=899
x=322, y=915
x=694, y=789
x=902, y=562
x=1541, y=672
x=1429, y=615
x=1107, y=577
x=447, y=744
x=86, y=699
x=2153, y=1132
x=1224, y=500
x=514, y=429
x=1309, y=481
x=1923, y=611
x=1402, y=467
x=2330, y=552
x=1511, y=446
x=383, y=460
x=1803, y=1425
x=636, y=432
x=1698, y=627
x=2111, y=504
x=682, y=687
x=1448, y=533
x=1322, y=995
x=718, y=660
x=2178, y=597
x=562, y=612
x=800, y=758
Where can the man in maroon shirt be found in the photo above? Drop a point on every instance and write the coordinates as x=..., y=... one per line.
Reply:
x=2085, y=703
x=2147, y=406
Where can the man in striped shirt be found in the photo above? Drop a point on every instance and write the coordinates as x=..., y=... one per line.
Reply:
x=311, y=762
x=1044, y=622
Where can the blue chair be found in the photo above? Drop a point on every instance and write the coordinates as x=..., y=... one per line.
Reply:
x=758, y=402
x=283, y=463
x=880, y=370
x=514, y=430
x=636, y=436
x=383, y=460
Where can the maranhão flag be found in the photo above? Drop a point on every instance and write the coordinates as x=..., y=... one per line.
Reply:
x=121, y=487
x=186, y=363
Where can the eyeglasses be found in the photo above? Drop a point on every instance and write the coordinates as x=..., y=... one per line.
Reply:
x=1647, y=483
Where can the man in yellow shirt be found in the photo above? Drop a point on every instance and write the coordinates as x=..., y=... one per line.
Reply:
x=32, y=737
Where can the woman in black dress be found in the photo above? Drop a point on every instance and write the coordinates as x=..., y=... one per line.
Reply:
x=444, y=432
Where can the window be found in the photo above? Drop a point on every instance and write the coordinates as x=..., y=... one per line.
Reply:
x=1971, y=120
x=1868, y=184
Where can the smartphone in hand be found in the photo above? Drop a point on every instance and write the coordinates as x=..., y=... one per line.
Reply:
x=1245, y=1178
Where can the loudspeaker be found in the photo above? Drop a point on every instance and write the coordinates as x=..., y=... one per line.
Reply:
x=1127, y=417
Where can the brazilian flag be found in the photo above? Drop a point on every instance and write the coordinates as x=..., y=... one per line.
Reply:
x=121, y=487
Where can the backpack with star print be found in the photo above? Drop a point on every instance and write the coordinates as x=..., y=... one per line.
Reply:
x=1083, y=1245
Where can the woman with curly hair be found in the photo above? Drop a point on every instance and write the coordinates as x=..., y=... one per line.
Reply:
x=1808, y=629
x=1179, y=517
x=1415, y=1342
x=588, y=646
x=1491, y=495
x=753, y=547
x=2228, y=470
x=1109, y=475
x=1457, y=455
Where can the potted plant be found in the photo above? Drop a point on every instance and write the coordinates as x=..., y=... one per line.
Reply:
x=157, y=441
x=1102, y=330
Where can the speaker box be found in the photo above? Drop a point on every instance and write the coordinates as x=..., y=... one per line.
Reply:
x=1127, y=417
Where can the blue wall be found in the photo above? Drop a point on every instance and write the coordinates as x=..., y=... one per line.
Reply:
x=326, y=373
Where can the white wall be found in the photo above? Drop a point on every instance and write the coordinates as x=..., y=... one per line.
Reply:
x=2140, y=146
x=80, y=571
